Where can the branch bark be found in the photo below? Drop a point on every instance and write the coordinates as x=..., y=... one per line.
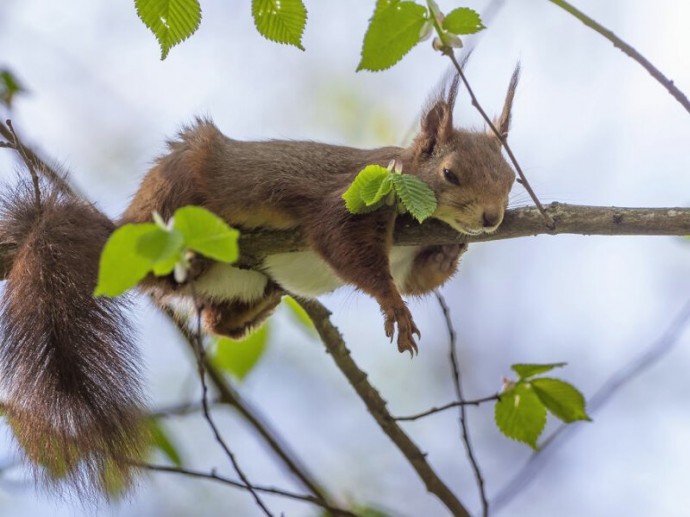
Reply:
x=518, y=222
x=377, y=406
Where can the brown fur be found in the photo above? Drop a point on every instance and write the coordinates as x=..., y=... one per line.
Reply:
x=67, y=364
x=287, y=184
x=68, y=367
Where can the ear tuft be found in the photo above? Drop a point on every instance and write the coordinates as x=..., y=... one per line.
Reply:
x=437, y=125
x=503, y=123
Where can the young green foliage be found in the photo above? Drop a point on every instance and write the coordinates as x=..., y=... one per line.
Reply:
x=299, y=315
x=525, y=371
x=9, y=87
x=415, y=195
x=397, y=26
x=161, y=441
x=375, y=186
x=171, y=21
x=135, y=250
x=394, y=30
x=366, y=192
x=520, y=413
x=238, y=358
x=462, y=21
x=281, y=21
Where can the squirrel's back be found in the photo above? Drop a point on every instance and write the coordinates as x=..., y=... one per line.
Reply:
x=68, y=368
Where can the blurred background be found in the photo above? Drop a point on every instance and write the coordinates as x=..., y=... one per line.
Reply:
x=590, y=126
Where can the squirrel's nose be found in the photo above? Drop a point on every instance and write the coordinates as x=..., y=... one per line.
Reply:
x=491, y=218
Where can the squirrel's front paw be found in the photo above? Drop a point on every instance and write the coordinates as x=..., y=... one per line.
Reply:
x=406, y=328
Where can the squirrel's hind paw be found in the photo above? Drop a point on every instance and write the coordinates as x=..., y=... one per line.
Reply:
x=402, y=317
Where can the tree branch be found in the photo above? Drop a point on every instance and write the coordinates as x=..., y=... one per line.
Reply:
x=628, y=50
x=377, y=406
x=450, y=405
x=213, y=476
x=457, y=382
x=518, y=222
x=228, y=395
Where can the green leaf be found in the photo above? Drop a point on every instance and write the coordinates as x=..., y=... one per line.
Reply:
x=520, y=415
x=122, y=266
x=365, y=187
x=163, y=248
x=299, y=314
x=9, y=87
x=282, y=21
x=525, y=371
x=161, y=441
x=206, y=233
x=374, y=191
x=239, y=357
x=171, y=21
x=394, y=30
x=463, y=20
x=415, y=195
x=561, y=398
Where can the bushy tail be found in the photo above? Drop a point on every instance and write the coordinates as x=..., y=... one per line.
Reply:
x=69, y=372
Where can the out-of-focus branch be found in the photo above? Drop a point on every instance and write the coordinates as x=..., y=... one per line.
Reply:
x=213, y=476
x=377, y=406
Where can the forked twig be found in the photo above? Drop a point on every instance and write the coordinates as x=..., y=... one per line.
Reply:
x=452, y=338
x=332, y=339
x=213, y=476
x=450, y=405
x=200, y=357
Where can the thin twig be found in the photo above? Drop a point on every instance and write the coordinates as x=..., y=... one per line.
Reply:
x=185, y=408
x=621, y=377
x=503, y=139
x=628, y=50
x=213, y=476
x=200, y=356
x=30, y=157
x=17, y=144
x=434, y=410
x=452, y=338
x=335, y=345
x=230, y=396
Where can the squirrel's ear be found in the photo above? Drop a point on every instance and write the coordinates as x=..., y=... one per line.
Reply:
x=437, y=126
x=503, y=122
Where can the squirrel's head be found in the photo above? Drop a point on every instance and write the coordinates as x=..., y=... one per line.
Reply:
x=465, y=169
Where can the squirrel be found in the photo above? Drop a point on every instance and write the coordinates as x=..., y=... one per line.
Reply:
x=68, y=364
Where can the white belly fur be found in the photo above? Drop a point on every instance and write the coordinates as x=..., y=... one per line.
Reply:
x=225, y=282
x=303, y=273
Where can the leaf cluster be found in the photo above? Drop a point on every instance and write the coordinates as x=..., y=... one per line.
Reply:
x=376, y=186
x=520, y=413
x=136, y=250
x=395, y=28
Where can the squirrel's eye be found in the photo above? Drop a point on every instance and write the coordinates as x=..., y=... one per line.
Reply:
x=450, y=177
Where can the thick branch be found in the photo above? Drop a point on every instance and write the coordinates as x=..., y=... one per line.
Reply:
x=519, y=222
x=377, y=406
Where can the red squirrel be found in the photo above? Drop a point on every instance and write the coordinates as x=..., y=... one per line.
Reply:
x=68, y=367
